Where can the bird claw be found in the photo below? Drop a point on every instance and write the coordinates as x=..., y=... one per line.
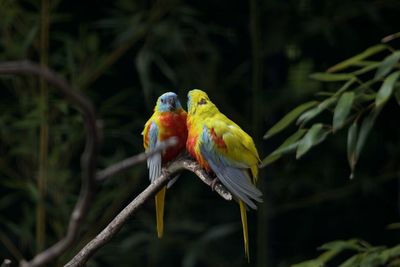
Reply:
x=214, y=184
x=165, y=172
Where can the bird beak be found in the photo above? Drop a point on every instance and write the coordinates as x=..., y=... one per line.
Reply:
x=172, y=104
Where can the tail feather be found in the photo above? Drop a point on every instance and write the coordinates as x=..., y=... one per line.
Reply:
x=160, y=211
x=243, y=215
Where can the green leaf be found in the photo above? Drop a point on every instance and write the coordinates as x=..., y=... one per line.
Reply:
x=366, y=87
x=346, y=86
x=392, y=252
x=354, y=60
x=386, y=89
x=393, y=226
x=270, y=159
x=367, y=68
x=365, y=128
x=320, y=261
x=351, y=146
x=387, y=64
x=327, y=94
x=340, y=245
x=310, y=263
x=289, y=118
x=361, y=97
x=397, y=95
x=365, y=63
x=294, y=137
x=313, y=137
x=331, y=77
x=342, y=110
x=277, y=154
x=372, y=259
x=352, y=261
x=305, y=117
x=289, y=145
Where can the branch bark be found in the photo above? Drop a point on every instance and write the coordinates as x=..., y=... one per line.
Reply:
x=116, y=224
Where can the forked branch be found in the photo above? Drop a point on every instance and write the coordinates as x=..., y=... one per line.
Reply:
x=89, y=176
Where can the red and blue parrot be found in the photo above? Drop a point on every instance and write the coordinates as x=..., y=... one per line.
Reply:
x=168, y=120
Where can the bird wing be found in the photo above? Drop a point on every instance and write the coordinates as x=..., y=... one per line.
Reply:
x=230, y=154
x=151, y=141
x=154, y=165
x=222, y=149
x=240, y=146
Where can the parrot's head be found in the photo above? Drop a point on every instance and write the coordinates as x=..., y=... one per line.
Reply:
x=199, y=103
x=168, y=102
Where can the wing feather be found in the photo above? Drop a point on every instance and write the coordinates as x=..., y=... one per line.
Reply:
x=153, y=162
x=240, y=145
x=234, y=175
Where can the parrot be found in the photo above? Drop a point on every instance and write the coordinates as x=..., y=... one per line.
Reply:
x=168, y=120
x=221, y=147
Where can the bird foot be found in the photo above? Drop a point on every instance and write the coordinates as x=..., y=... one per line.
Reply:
x=165, y=172
x=214, y=184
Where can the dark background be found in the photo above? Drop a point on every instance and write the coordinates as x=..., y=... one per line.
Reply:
x=254, y=59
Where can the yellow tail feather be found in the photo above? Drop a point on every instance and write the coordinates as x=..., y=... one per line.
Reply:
x=243, y=215
x=160, y=211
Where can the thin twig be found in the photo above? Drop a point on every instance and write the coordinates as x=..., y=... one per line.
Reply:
x=127, y=163
x=116, y=224
x=88, y=158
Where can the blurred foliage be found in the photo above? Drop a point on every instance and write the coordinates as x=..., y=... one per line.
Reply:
x=363, y=255
x=124, y=53
x=358, y=101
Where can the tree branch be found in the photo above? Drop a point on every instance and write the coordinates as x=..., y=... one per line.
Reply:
x=88, y=158
x=116, y=224
x=187, y=164
x=126, y=164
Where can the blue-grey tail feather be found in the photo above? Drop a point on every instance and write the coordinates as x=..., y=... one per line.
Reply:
x=153, y=162
x=154, y=166
x=172, y=181
x=236, y=180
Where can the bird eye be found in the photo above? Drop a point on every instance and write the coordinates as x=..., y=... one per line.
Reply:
x=162, y=100
x=202, y=102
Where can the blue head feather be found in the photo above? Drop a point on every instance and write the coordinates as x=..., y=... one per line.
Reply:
x=168, y=102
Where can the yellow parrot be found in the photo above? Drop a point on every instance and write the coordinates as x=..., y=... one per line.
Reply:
x=221, y=146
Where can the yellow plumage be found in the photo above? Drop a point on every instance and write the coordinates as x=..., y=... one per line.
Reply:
x=221, y=146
